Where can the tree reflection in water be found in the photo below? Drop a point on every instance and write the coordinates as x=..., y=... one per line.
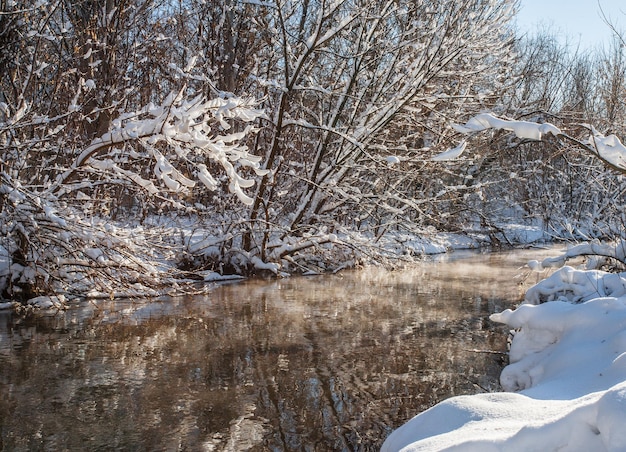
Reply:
x=319, y=363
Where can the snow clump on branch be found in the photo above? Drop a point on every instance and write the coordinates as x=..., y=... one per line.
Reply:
x=190, y=128
x=521, y=129
x=609, y=149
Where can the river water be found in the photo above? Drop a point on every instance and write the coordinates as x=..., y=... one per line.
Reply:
x=331, y=362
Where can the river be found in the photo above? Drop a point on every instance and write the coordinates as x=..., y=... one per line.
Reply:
x=332, y=362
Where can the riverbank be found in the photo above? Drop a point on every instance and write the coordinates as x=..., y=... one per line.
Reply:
x=168, y=256
x=565, y=386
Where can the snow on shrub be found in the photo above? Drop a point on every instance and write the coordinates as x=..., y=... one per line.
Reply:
x=55, y=245
x=191, y=131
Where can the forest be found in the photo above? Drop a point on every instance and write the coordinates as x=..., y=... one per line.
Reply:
x=148, y=145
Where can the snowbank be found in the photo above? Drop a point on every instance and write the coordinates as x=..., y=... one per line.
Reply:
x=566, y=378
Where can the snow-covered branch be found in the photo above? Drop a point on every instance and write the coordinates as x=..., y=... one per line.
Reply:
x=598, y=252
x=184, y=130
x=609, y=149
x=522, y=129
x=47, y=248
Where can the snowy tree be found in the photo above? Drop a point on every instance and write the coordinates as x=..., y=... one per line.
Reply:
x=355, y=96
x=344, y=81
x=188, y=128
x=552, y=184
x=75, y=142
x=163, y=150
x=608, y=149
x=139, y=111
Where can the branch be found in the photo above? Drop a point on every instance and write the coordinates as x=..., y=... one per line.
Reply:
x=608, y=149
x=188, y=130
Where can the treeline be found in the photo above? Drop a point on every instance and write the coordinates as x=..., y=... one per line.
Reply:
x=106, y=116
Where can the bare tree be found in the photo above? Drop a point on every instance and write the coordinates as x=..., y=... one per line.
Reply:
x=612, y=83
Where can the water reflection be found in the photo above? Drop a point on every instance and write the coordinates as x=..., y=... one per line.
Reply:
x=321, y=363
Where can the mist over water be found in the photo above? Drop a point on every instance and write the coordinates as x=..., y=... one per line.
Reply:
x=331, y=362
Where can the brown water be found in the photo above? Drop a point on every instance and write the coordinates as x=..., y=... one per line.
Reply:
x=317, y=363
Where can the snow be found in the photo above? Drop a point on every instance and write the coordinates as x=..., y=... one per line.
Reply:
x=210, y=276
x=260, y=265
x=565, y=386
x=610, y=148
x=47, y=302
x=451, y=154
x=522, y=129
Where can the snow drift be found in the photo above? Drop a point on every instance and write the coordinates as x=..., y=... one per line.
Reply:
x=566, y=380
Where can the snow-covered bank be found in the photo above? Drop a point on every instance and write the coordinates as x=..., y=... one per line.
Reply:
x=566, y=381
x=169, y=254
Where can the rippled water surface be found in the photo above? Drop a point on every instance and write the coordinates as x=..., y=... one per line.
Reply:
x=316, y=363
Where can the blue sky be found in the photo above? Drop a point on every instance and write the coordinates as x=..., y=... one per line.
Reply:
x=579, y=20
